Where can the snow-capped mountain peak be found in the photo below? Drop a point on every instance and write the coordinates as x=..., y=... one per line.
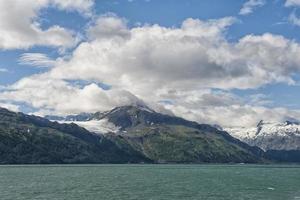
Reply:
x=270, y=135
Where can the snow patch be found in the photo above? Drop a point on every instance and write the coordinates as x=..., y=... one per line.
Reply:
x=241, y=132
x=102, y=126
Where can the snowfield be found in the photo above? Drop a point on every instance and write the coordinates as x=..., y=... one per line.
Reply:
x=269, y=135
x=102, y=126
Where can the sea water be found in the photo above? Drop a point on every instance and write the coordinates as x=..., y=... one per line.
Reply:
x=150, y=182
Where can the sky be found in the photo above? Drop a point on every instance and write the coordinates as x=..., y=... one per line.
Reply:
x=225, y=62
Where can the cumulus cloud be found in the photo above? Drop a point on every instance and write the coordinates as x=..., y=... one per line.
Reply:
x=224, y=108
x=250, y=5
x=234, y=115
x=36, y=59
x=204, y=106
x=195, y=55
x=20, y=29
x=148, y=57
x=62, y=98
x=180, y=65
x=108, y=26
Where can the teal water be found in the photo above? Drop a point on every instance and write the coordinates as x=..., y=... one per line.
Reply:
x=155, y=182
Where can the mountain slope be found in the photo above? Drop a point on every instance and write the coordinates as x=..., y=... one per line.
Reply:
x=168, y=139
x=280, y=141
x=28, y=139
x=270, y=136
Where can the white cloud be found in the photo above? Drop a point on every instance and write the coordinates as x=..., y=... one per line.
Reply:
x=20, y=29
x=63, y=98
x=195, y=55
x=156, y=64
x=204, y=106
x=234, y=115
x=108, y=26
x=36, y=59
x=82, y=6
x=225, y=108
x=250, y=5
x=292, y=3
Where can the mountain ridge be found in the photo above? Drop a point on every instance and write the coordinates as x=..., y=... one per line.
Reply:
x=144, y=129
x=28, y=139
x=270, y=135
x=135, y=135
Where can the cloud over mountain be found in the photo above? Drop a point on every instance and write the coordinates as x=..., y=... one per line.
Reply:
x=152, y=63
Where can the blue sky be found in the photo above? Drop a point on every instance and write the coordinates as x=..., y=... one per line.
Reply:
x=78, y=22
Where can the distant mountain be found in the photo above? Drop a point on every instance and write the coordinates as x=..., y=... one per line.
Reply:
x=26, y=139
x=281, y=141
x=168, y=139
x=270, y=136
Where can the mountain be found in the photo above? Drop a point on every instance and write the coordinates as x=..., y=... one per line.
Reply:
x=270, y=136
x=26, y=139
x=168, y=139
x=281, y=141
